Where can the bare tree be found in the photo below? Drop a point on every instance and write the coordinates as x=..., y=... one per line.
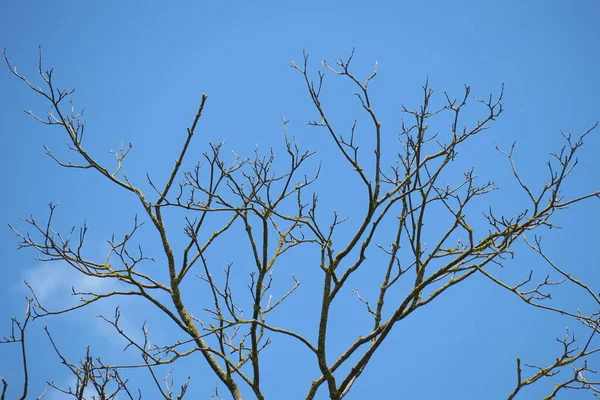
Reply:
x=278, y=212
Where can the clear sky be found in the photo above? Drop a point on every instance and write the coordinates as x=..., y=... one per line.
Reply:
x=140, y=67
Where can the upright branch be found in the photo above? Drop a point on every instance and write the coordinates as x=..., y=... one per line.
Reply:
x=17, y=335
x=407, y=194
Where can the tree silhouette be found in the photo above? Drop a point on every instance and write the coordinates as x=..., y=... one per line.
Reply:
x=269, y=201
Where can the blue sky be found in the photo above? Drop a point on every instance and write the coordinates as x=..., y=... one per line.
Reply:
x=140, y=67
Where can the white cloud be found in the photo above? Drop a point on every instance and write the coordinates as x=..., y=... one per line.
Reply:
x=53, y=282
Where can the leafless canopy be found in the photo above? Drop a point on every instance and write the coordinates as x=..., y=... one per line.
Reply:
x=276, y=211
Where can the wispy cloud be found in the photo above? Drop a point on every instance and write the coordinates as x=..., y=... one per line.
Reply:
x=53, y=282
